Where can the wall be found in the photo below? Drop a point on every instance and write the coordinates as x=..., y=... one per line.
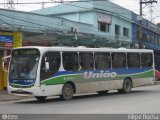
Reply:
x=122, y=23
x=82, y=17
x=91, y=18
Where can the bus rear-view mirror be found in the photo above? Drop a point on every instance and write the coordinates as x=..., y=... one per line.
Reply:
x=5, y=63
x=46, y=66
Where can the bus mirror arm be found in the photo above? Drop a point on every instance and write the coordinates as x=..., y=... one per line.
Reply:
x=3, y=62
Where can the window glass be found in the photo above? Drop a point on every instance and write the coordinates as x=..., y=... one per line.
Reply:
x=118, y=60
x=144, y=37
x=24, y=66
x=148, y=38
x=50, y=64
x=156, y=41
x=86, y=61
x=102, y=60
x=138, y=36
x=146, y=60
x=133, y=60
x=152, y=38
x=117, y=29
x=70, y=61
x=103, y=27
x=157, y=62
x=125, y=32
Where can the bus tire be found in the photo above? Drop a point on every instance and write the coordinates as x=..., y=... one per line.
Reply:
x=105, y=92
x=41, y=98
x=67, y=92
x=127, y=86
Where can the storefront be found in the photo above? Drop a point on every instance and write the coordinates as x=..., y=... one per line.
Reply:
x=8, y=40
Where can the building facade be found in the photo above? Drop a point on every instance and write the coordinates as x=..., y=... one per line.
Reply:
x=145, y=33
x=111, y=24
x=110, y=21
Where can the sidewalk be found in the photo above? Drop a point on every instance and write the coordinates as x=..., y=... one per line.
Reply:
x=4, y=96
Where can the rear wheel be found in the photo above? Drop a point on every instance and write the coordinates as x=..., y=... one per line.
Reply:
x=41, y=98
x=67, y=92
x=127, y=86
x=103, y=92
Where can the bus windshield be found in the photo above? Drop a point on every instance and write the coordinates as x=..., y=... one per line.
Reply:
x=23, y=66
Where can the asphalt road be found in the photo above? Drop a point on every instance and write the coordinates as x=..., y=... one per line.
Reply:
x=141, y=100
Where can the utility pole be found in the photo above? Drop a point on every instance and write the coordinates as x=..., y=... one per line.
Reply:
x=145, y=2
x=43, y=4
x=151, y=12
x=10, y=4
x=141, y=16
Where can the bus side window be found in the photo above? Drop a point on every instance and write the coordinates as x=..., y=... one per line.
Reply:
x=118, y=60
x=133, y=60
x=86, y=60
x=146, y=60
x=102, y=60
x=53, y=61
x=70, y=61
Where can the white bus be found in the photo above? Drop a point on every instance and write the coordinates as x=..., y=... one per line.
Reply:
x=65, y=71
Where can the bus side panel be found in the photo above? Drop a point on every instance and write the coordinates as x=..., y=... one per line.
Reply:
x=98, y=86
x=142, y=81
x=48, y=90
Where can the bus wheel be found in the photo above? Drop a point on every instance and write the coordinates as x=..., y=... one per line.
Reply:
x=41, y=98
x=67, y=92
x=127, y=86
x=103, y=92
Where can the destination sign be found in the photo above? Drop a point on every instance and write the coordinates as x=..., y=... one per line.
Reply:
x=25, y=52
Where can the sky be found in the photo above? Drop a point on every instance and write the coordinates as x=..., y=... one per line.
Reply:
x=132, y=5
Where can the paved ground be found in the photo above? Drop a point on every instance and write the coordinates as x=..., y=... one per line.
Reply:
x=4, y=96
x=142, y=100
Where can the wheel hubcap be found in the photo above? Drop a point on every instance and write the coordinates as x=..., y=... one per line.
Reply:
x=67, y=92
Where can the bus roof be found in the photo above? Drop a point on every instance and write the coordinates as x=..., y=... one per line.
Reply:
x=84, y=49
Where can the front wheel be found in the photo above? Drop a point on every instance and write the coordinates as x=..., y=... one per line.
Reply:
x=127, y=86
x=67, y=92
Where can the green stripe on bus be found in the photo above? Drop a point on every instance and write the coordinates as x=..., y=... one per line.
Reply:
x=79, y=78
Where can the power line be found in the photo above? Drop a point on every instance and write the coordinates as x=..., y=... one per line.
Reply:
x=10, y=4
x=52, y=2
x=145, y=2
